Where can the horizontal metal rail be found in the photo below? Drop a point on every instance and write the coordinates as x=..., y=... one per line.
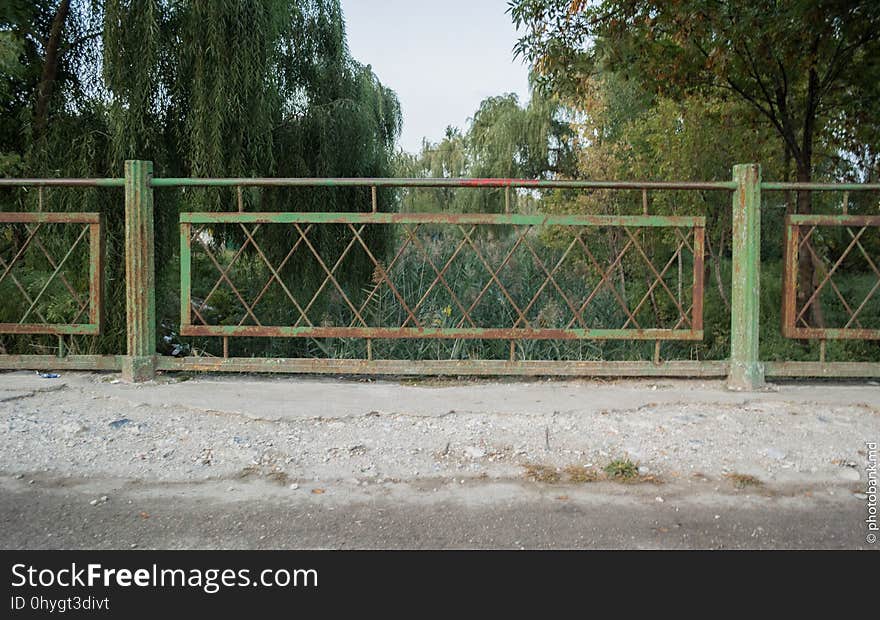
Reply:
x=67, y=362
x=108, y=182
x=429, y=333
x=833, y=370
x=635, y=221
x=770, y=186
x=452, y=182
x=56, y=329
x=18, y=217
x=684, y=368
x=536, y=368
x=446, y=367
x=834, y=220
x=159, y=182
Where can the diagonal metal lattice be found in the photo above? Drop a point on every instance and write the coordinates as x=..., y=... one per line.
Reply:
x=801, y=240
x=20, y=257
x=468, y=272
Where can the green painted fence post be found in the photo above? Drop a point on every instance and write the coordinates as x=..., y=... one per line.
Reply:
x=139, y=363
x=746, y=371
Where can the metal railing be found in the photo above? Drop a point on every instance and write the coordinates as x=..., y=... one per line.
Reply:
x=86, y=303
x=511, y=273
x=799, y=239
x=525, y=320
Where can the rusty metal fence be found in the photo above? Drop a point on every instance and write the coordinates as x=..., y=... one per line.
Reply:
x=800, y=234
x=84, y=316
x=508, y=278
x=52, y=275
x=525, y=323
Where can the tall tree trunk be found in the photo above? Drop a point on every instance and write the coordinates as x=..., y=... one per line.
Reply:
x=809, y=266
x=50, y=68
x=786, y=176
x=715, y=259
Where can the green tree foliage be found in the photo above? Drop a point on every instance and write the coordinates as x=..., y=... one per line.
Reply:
x=505, y=139
x=805, y=66
x=244, y=87
x=202, y=88
x=447, y=159
x=510, y=140
x=808, y=69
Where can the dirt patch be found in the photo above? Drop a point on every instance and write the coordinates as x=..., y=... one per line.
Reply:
x=542, y=473
x=582, y=475
x=743, y=481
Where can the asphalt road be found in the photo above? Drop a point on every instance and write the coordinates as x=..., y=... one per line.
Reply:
x=431, y=515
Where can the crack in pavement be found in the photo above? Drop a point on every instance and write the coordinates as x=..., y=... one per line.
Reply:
x=12, y=395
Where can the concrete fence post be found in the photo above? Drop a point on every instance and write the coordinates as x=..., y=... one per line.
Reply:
x=139, y=363
x=746, y=371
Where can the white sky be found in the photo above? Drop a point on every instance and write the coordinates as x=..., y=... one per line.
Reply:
x=441, y=58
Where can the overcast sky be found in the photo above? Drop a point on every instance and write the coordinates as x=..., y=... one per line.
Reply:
x=442, y=58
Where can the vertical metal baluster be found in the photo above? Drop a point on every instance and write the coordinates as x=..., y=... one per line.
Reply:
x=645, y=212
x=240, y=198
x=374, y=205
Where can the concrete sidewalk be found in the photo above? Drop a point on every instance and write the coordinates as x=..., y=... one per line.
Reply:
x=278, y=398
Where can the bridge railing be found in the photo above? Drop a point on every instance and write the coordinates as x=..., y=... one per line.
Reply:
x=490, y=288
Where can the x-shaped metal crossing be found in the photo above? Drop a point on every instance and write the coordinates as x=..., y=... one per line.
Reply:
x=800, y=233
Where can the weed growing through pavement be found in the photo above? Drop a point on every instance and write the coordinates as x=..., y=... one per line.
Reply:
x=623, y=470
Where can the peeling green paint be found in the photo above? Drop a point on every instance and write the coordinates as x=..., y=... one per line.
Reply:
x=140, y=278
x=746, y=371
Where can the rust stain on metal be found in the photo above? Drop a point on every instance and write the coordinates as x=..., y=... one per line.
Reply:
x=698, y=277
x=447, y=367
x=487, y=333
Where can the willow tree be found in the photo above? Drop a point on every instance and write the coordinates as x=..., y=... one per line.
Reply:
x=504, y=139
x=201, y=88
